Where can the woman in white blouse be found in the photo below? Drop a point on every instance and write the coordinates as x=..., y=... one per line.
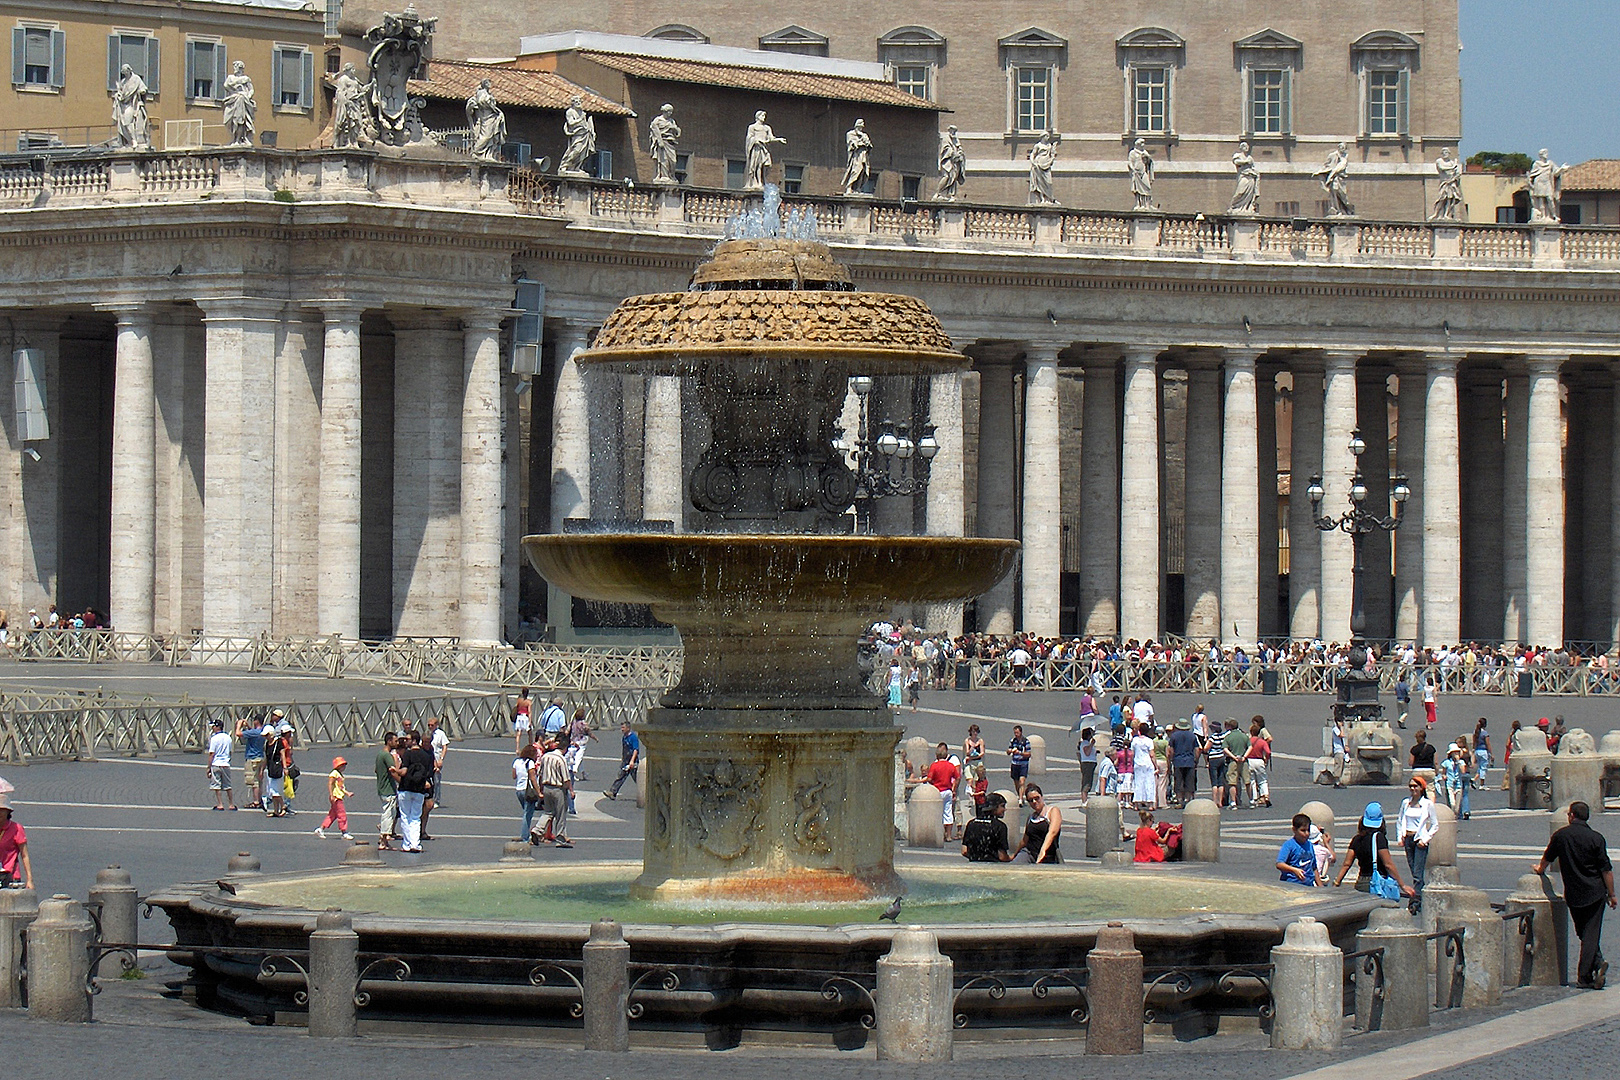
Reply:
x=1145, y=779
x=1417, y=826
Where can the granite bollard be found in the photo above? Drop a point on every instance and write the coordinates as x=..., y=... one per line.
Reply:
x=1577, y=777
x=920, y=752
x=1542, y=962
x=1321, y=814
x=915, y=999
x=1443, y=844
x=1201, y=832
x=1102, y=825
x=59, y=962
x=334, y=975
x=517, y=851
x=607, y=988
x=363, y=853
x=1037, y=755
x=1114, y=992
x=1470, y=909
x=1405, y=1000
x=18, y=909
x=925, y=817
x=115, y=898
x=242, y=863
x=1307, y=985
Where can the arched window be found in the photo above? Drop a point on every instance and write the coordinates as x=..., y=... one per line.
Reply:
x=678, y=32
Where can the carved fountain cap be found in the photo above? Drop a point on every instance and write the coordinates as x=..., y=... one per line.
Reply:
x=772, y=262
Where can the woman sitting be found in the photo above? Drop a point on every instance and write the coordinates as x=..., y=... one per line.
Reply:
x=1159, y=842
x=1368, y=849
x=1040, y=842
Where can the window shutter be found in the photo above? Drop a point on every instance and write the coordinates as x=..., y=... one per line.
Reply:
x=19, y=56
x=153, y=66
x=58, y=59
x=191, y=69
x=275, y=78
x=307, y=98
x=1288, y=101
x=222, y=70
x=1401, y=104
x=112, y=62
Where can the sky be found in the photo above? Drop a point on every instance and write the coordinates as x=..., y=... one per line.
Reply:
x=1541, y=73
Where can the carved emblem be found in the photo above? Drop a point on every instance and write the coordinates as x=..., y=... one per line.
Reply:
x=812, y=824
x=658, y=817
x=722, y=806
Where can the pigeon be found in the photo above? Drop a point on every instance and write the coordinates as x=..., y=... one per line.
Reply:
x=227, y=887
x=893, y=913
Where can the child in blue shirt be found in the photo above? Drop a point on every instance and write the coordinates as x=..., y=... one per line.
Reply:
x=1296, y=859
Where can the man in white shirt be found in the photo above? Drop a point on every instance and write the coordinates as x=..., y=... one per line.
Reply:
x=1143, y=710
x=219, y=767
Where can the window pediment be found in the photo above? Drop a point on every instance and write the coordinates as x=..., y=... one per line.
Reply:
x=1034, y=46
x=912, y=36
x=1385, y=48
x=678, y=32
x=1269, y=39
x=793, y=35
x=1269, y=49
x=1151, y=45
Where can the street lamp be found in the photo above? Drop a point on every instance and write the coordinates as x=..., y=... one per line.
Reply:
x=893, y=463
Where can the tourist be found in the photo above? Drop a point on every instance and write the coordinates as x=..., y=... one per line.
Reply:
x=527, y=786
x=336, y=792
x=1156, y=842
x=219, y=765
x=1416, y=826
x=1296, y=859
x=1368, y=851
x=275, y=771
x=555, y=788
x=1142, y=710
x=985, y=838
x=1020, y=659
x=1116, y=715
x=290, y=770
x=1088, y=710
x=553, y=720
x=1161, y=768
x=629, y=760
x=944, y=775
x=1258, y=759
x=1040, y=840
x=897, y=685
x=973, y=748
x=522, y=722
x=251, y=732
x=1237, y=762
x=579, y=734
x=16, y=869
x=1322, y=843
x=437, y=744
x=1583, y=860
x=1453, y=777
x=1215, y=755
x=1422, y=752
x=1482, y=753
x=414, y=785
x=1086, y=752
x=1339, y=748
x=388, y=771
x=1018, y=754
x=1144, y=781
x=1429, y=692
x=1403, y=698
x=1185, y=747
x=1507, y=754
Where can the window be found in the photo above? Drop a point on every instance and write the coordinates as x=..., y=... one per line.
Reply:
x=140, y=51
x=1033, y=111
x=206, y=69
x=292, y=77
x=736, y=173
x=1268, y=61
x=795, y=39
x=678, y=32
x=1268, y=102
x=914, y=79
x=1286, y=209
x=1151, y=93
x=1384, y=61
x=792, y=179
x=601, y=166
x=1032, y=58
x=334, y=15
x=914, y=54
x=517, y=153
x=1148, y=58
x=38, y=57
x=1384, y=102
x=910, y=188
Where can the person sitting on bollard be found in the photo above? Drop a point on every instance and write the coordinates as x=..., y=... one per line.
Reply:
x=1368, y=852
x=1040, y=842
x=1583, y=859
x=1417, y=825
x=16, y=869
x=1296, y=859
x=1107, y=779
x=985, y=838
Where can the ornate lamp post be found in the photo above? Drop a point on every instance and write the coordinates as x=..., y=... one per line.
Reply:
x=891, y=464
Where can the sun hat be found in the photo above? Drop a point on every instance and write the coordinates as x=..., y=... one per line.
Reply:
x=338, y=762
x=1543, y=722
x=285, y=728
x=5, y=801
x=277, y=713
x=1184, y=724
x=1373, y=816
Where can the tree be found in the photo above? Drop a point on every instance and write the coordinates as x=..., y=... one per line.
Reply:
x=1497, y=161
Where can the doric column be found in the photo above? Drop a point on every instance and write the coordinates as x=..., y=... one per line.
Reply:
x=570, y=431
x=1043, y=517
x=945, y=505
x=1305, y=461
x=661, y=452
x=1614, y=520
x=1479, y=408
x=1202, y=544
x=1515, y=529
x=1240, y=502
x=483, y=488
x=998, y=486
x=1265, y=405
x=134, y=475
x=1441, y=622
x=429, y=374
x=1338, y=465
x=31, y=552
x=1544, y=504
x=338, y=560
x=1409, y=439
x=1372, y=398
x=1139, y=584
x=1099, y=500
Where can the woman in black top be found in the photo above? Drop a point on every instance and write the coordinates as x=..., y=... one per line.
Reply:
x=1370, y=841
x=1040, y=842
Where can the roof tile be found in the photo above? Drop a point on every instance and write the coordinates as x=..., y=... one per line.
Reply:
x=1599, y=174
x=797, y=83
x=455, y=80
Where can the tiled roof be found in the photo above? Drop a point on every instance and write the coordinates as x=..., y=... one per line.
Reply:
x=455, y=80
x=1599, y=174
x=797, y=83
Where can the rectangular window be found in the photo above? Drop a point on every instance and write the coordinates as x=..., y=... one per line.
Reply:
x=792, y=179
x=1033, y=104
x=1288, y=209
x=1268, y=101
x=1151, y=92
x=1386, y=102
x=911, y=188
x=914, y=80
x=515, y=152
x=292, y=77
x=205, y=70
x=736, y=173
x=37, y=56
x=601, y=166
x=140, y=52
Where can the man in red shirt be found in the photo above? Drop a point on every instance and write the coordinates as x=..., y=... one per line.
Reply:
x=944, y=775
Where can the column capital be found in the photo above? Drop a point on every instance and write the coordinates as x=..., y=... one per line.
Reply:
x=1545, y=363
x=339, y=310
x=238, y=308
x=1337, y=360
x=1097, y=365
x=1136, y=355
x=1039, y=352
x=128, y=313
x=1244, y=356
x=487, y=320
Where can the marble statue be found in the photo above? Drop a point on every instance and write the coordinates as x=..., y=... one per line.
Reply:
x=1141, y=163
x=662, y=135
x=579, y=128
x=129, y=111
x=1334, y=177
x=757, y=147
x=487, y=124
x=241, y=111
x=399, y=43
x=1246, y=199
x=1545, y=181
x=1448, y=206
x=858, y=154
x=1042, y=156
x=350, y=120
x=952, y=165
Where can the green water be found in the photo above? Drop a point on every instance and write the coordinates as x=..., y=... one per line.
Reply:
x=971, y=895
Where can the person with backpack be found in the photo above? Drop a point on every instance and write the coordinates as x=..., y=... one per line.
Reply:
x=414, y=787
x=276, y=758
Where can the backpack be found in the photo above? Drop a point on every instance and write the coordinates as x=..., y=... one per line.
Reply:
x=418, y=774
x=272, y=757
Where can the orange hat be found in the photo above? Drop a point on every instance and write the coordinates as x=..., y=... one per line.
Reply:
x=338, y=763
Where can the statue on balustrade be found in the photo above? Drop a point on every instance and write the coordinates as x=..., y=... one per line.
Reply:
x=241, y=111
x=858, y=158
x=134, y=127
x=351, y=123
x=1042, y=156
x=952, y=165
x=757, y=150
x=579, y=128
x=1141, y=164
x=662, y=136
x=1546, y=181
x=486, y=124
x=1448, y=206
x=399, y=44
x=1334, y=175
x=1246, y=199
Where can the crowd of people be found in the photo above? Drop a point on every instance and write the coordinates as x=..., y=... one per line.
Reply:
x=1124, y=752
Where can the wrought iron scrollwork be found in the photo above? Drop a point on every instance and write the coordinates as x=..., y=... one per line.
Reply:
x=1369, y=962
x=1042, y=987
x=838, y=987
x=1179, y=983
x=667, y=980
x=1448, y=994
x=394, y=968
x=128, y=961
x=537, y=977
x=277, y=964
x=989, y=983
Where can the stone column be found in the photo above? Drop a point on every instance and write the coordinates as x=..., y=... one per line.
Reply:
x=1201, y=831
x=1409, y=441
x=483, y=487
x=1266, y=524
x=607, y=988
x=1614, y=520
x=661, y=478
x=1304, y=542
x=1515, y=528
x=998, y=484
x=1099, y=500
x=945, y=506
x=1102, y=826
x=1338, y=465
x=429, y=376
x=59, y=962
x=339, y=525
x=18, y=909
x=1480, y=413
x=30, y=556
x=1441, y=622
x=915, y=999
x=1307, y=984
x=1043, y=517
x=1372, y=397
x=1240, y=499
x=570, y=432
x=334, y=976
x=1140, y=572
x=1405, y=1001
x=1114, y=991
x=1544, y=504
x=1202, y=559
x=115, y=894
x=134, y=479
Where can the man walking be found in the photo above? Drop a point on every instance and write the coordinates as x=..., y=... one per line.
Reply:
x=388, y=773
x=1018, y=753
x=437, y=744
x=555, y=790
x=219, y=766
x=1583, y=861
x=629, y=759
x=553, y=720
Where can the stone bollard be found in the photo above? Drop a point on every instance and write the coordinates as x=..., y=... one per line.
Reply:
x=242, y=863
x=1405, y=1001
x=641, y=787
x=1557, y=819
x=1114, y=992
x=334, y=975
x=1117, y=860
x=1471, y=910
x=1307, y=987
x=915, y=999
x=1037, y=755
x=1542, y=964
x=1577, y=777
x=1443, y=844
x=607, y=988
x=1321, y=814
x=119, y=922
x=1201, y=832
x=18, y=908
x=517, y=851
x=1526, y=768
x=1102, y=825
x=364, y=853
x=925, y=817
x=59, y=962
x=920, y=752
